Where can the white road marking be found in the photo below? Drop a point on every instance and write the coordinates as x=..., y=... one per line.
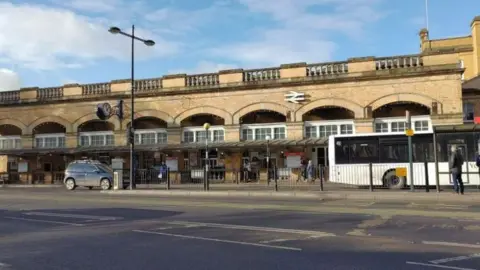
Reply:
x=254, y=228
x=440, y=266
x=440, y=206
x=45, y=221
x=4, y=265
x=450, y=244
x=102, y=218
x=218, y=240
x=276, y=241
x=456, y=259
x=164, y=228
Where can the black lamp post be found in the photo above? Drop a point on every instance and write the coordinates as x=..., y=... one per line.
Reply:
x=131, y=132
x=206, y=183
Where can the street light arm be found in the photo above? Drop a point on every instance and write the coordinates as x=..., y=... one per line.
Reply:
x=146, y=41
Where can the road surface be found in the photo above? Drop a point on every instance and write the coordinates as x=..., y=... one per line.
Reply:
x=56, y=229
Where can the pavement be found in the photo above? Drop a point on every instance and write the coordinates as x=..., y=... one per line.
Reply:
x=306, y=192
x=57, y=229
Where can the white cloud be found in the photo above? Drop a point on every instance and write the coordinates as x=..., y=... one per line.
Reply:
x=96, y=6
x=9, y=80
x=45, y=38
x=204, y=67
x=181, y=21
x=278, y=47
x=301, y=35
x=418, y=21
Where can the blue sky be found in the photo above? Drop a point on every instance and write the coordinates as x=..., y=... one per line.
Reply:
x=52, y=42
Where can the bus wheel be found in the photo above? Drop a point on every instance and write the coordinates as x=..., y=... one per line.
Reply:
x=392, y=181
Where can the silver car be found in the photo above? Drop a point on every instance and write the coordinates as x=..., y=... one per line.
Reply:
x=88, y=173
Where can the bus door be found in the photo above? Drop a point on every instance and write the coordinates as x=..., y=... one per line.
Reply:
x=462, y=147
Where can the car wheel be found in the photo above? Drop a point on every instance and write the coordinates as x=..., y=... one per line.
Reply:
x=105, y=184
x=90, y=188
x=70, y=184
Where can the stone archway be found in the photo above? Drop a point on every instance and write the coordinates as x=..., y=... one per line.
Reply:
x=53, y=119
x=150, y=113
x=204, y=110
x=13, y=122
x=356, y=108
x=404, y=97
x=89, y=117
x=261, y=106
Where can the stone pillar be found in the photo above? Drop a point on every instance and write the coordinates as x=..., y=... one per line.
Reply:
x=71, y=140
x=231, y=76
x=120, y=137
x=232, y=133
x=27, y=141
x=174, y=134
x=295, y=130
x=361, y=64
x=293, y=70
x=364, y=125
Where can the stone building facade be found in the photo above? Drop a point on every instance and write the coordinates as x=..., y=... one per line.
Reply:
x=47, y=127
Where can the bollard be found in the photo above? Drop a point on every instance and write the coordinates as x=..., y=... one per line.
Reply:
x=322, y=174
x=427, y=184
x=275, y=177
x=116, y=185
x=207, y=177
x=370, y=169
x=168, y=178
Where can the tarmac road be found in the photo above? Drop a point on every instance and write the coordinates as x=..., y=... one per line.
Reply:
x=54, y=229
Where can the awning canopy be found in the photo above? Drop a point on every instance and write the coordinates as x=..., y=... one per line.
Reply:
x=472, y=84
x=247, y=144
x=181, y=146
x=457, y=128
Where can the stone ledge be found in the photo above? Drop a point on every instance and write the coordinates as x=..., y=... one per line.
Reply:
x=293, y=65
x=175, y=76
x=357, y=196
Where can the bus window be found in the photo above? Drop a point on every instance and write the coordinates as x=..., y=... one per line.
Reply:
x=363, y=151
x=390, y=153
x=342, y=151
x=423, y=151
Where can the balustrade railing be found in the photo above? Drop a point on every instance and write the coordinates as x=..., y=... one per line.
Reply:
x=261, y=75
x=96, y=89
x=323, y=69
x=49, y=93
x=398, y=62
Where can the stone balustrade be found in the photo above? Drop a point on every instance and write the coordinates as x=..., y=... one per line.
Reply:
x=148, y=85
x=9, y=96
x=398, y=62
x=49, y=93
x=266, y=74
x=225, y=78
x=326, y=69
x=96, y=89
x=202, y=80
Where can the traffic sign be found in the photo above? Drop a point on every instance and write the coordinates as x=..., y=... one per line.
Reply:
x=409, y=132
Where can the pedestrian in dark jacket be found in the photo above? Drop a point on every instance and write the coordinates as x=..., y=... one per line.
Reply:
x=455, y=164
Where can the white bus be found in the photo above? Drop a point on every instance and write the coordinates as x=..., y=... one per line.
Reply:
x=350, y=157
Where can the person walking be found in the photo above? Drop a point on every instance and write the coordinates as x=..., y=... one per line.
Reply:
x=310, y=170
x=455, y=164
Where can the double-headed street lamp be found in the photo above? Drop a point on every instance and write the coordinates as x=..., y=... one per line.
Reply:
x=206, y=184
x=131, y=132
